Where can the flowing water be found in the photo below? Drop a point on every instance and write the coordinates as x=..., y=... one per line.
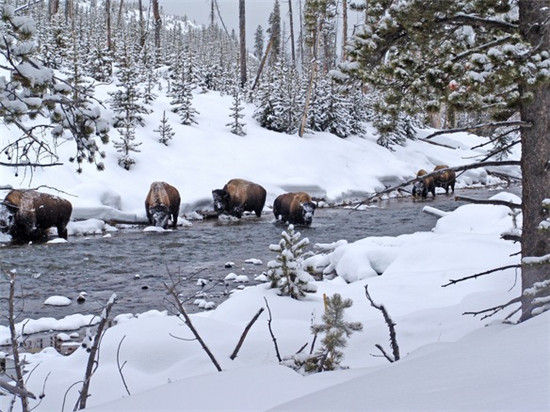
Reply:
x=134, y=263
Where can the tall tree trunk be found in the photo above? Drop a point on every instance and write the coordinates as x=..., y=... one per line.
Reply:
x=108, y=24
x=344, y=27
x=242, y=35
x=119, y=17
x=212, y=13
x=535, y=154
x=292, y=49
x=68, y=10
x=158, y=26
x=301, y=40
x=141, y=25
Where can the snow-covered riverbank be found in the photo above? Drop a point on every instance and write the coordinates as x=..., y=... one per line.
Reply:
x=204, y=157
x=434, y=337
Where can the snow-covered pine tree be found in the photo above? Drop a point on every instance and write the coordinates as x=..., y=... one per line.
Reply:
x=237, y=125
x=274, y=31
x=182, y=97
x=336, y=330
x=165, y=131
x=259, y=42
x=30, y=90
x=127, y=143
x=286, y=272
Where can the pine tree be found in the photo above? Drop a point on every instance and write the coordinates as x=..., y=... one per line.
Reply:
x=286, y=272
x=164, y=130
x=259, y=42
x=127, y=143
x=236, y=124
x=274, y=31
x=329, y=356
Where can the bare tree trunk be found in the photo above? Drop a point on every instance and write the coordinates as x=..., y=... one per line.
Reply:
x=141, y=25
x=158, y=26
x=301, y=40
x=68, y=10
x=292, y=47
x=535, y=154
x=242, y=40
x=108, y=24
x=212, y=13
x=119, y=17
x=262, y=63
x=344, y=27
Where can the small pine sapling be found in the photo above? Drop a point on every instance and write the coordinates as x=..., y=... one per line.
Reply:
x=336, y=331
x=237, y=125
x=127, y=144
x=164, y=131
x=286, y=272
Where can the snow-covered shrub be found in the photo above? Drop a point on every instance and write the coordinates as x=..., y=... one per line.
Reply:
x=336, y=331
x=287, y=272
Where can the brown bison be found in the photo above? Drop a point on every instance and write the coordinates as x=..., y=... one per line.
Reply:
x=445, y=179
x=27, y=215
x=162, y=202
x=296, y=208
x=239, y=196
x=423, y=186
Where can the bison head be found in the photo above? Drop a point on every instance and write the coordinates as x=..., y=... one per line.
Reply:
x=160, y=215
x=7, y=216
x=221, y=200
x=419, y=188
x=308, y=209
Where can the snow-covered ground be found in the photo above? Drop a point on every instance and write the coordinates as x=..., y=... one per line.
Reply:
x=204, y=157
x=448, y=361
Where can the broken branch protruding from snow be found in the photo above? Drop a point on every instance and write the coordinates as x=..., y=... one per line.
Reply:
x=453, y=281
x=391, y=327
x=271, y=331
x=245, y=332
x=495, y=309
x=120, y=367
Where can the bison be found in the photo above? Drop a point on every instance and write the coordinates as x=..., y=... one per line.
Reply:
x=162, y=202
x=239, y=196
x=296, y=208
x=445, y=179
x=27, y=215
x=423, y=186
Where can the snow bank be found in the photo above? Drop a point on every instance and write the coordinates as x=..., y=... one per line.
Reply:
x=89, y=227
x=206, y=156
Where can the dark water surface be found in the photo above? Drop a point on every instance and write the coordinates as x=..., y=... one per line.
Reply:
x=100, y=266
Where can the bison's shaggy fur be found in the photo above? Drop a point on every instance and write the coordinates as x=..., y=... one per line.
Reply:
x=296, y=208
x=445, y=179
x=239, y=196
x=162, y=202
x=423, y=186
x=28, y=214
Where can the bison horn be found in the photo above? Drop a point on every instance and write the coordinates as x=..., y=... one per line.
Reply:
x=8, y=204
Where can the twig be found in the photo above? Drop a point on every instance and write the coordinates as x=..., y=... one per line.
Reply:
x=391, y=327
x=183, y=339
x=302, y=348
x=171, y=290
x=245, y=332
x=479, y=126
x=121, y=366
x=436, y=144
x=511, y=205
x=494, y=309
x=381, y=349
x=81, y=403
x=313, y=344
x=66, y=393
x=453, y=281
x=273, y=335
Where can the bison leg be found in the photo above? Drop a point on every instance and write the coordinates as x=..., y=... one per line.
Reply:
x=62, y=232
x=174, y=220
x=258, y=212
x=453, y=186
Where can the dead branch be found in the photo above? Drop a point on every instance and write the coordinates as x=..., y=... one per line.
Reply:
x=476, y=127
x=92, y=364
x=14, y=390
x=503, y=176
x=511, y=205
x=301, y=349
x=381, y=349
x=171, y=291
x=456, y=169
x=313, y=344
x=271, y=332
x=245, y=332
x=20, y=383
x=66, y=393
x=391, y=327
x=120, y=367
x=453, y=281
x=30, y=164
x=509, y=236
x=493, y=139
x=495, y=309
x=436, y=144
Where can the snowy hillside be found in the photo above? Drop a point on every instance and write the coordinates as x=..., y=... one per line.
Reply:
x=204, y=157
x=448, y=360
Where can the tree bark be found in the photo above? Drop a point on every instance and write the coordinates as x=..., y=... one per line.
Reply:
x=242, y=41
x=535, y=153
x=344, y=27
x=141, y=25
x=292, y=47
x=108, y=23
x=158, y=26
